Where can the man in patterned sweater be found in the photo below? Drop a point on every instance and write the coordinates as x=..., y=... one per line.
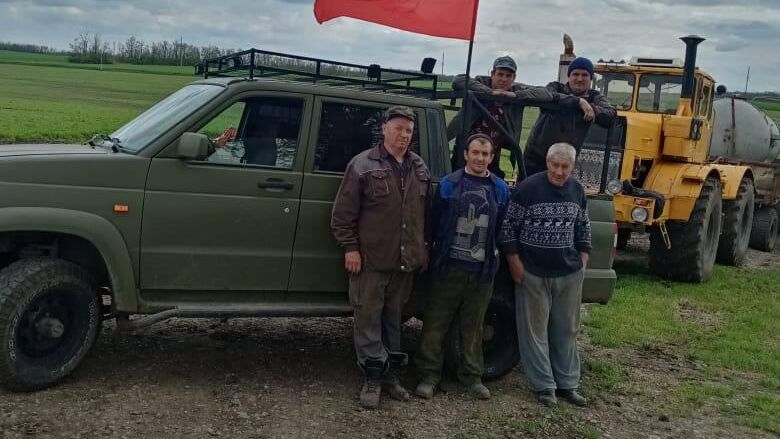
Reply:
x=546, y=239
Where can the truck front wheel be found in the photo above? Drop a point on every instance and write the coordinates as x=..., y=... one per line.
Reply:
x=49, y=317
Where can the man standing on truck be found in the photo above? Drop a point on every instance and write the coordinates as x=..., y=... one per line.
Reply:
x=379, y=218
x=547, y=241
x=570, y=127
x=501, y=83
x=468, y=213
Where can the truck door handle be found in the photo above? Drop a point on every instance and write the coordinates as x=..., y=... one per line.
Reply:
x=275, y=183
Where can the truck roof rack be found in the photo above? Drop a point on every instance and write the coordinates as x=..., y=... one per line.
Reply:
x=256, y=63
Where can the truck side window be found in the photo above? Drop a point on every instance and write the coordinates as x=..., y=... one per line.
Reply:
x=259, y=131
x=345, y=131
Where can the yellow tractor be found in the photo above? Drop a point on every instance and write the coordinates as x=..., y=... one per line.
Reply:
x=696, y=210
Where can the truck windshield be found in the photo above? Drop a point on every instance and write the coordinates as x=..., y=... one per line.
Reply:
x=617, y=87
x=659, y=93
x=139, y=132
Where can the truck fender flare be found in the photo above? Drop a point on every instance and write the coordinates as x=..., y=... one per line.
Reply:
x=93, y=228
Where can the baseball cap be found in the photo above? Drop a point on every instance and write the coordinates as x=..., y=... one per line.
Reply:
x=399, y=111
x=505, y=62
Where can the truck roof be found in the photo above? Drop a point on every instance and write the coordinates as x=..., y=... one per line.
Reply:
x=339, y=91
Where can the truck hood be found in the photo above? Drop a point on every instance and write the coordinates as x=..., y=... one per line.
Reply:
x=47, y=149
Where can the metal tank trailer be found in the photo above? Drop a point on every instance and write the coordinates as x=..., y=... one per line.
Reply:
x=745, y=135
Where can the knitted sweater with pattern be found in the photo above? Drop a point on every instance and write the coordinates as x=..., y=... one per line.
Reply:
x=547, y=226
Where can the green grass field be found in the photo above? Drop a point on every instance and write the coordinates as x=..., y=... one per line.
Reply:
x=731, y=325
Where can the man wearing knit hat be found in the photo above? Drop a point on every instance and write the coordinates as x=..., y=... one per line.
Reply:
x=570, y=127
x=510, y=115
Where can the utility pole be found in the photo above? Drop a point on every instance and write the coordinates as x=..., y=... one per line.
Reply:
x=442, y=63
x=747, y=80
x=181, y=50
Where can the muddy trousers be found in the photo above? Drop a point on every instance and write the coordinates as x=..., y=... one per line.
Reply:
x=548, y=318
x=378, y=299
x=461, y=297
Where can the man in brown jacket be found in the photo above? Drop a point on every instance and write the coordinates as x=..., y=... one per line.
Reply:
x=379, y=218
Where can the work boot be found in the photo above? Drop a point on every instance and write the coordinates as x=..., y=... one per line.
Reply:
x=392, y=384
x=479, y=391
x=372, y=387
x=572, y=396
x=425, y=389
x=396, y=361
x=547, y=398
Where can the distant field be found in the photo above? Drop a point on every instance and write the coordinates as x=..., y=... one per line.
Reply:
x=9, y=57
x=53, y=104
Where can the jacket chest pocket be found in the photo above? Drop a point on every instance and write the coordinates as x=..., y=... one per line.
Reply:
x=379, y=183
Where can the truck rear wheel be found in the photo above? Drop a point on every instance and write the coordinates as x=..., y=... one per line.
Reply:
x=49, y=317
x=737, y=224
x=765, y=228
x=499, y=341
x=694, y=243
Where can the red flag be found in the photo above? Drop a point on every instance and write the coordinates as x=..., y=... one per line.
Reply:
x=441, y=18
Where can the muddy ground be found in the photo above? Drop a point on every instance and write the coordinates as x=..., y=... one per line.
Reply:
x=290, y=378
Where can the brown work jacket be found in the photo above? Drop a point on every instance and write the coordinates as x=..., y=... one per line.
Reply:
x=373, y=214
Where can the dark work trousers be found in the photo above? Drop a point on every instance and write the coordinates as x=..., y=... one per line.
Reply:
x=378, y=298
x=548, y=318
x=456, y=295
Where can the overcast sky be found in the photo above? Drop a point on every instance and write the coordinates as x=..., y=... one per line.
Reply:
x=739, y=34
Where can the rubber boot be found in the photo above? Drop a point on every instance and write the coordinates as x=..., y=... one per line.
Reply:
x=372, y=387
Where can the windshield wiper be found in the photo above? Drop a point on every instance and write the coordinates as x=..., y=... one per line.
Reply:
x=102, y=139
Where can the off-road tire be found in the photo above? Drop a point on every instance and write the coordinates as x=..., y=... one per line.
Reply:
x=694, y=243
x=499, y=346
x=737, y=224
x=765, y=228
x=36, y=288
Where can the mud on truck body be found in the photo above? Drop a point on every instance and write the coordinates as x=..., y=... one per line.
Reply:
x=215, y=203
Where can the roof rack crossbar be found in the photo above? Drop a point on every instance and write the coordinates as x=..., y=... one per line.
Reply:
x=259, y=62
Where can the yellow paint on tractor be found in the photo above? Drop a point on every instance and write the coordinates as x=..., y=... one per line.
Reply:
x=667, y=148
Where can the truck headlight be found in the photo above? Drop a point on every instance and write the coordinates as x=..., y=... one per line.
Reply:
x=639, y=214
x=614, y=187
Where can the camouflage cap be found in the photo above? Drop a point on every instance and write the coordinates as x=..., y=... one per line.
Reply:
x=399, y=111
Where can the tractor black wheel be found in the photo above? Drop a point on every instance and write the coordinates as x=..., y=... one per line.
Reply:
x=694, y=242
x=737, y=224
x=765, y=228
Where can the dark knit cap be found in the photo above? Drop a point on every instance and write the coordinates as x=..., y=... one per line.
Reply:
x=581, y=63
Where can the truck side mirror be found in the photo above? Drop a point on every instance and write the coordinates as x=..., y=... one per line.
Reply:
x=193, y=146
x=721, y=89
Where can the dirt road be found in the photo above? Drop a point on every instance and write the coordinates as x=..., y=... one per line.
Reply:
x=290, y=378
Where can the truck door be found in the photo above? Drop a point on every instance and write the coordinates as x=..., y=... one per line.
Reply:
x=227, y=222
x=341, y=129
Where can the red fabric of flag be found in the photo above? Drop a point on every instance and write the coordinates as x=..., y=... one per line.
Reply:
x=441, y=18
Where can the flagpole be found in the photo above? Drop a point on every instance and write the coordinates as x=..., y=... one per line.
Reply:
x=457, y=158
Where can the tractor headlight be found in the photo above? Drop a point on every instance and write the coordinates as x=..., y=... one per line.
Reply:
x=639, y=214
x=614, y=187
